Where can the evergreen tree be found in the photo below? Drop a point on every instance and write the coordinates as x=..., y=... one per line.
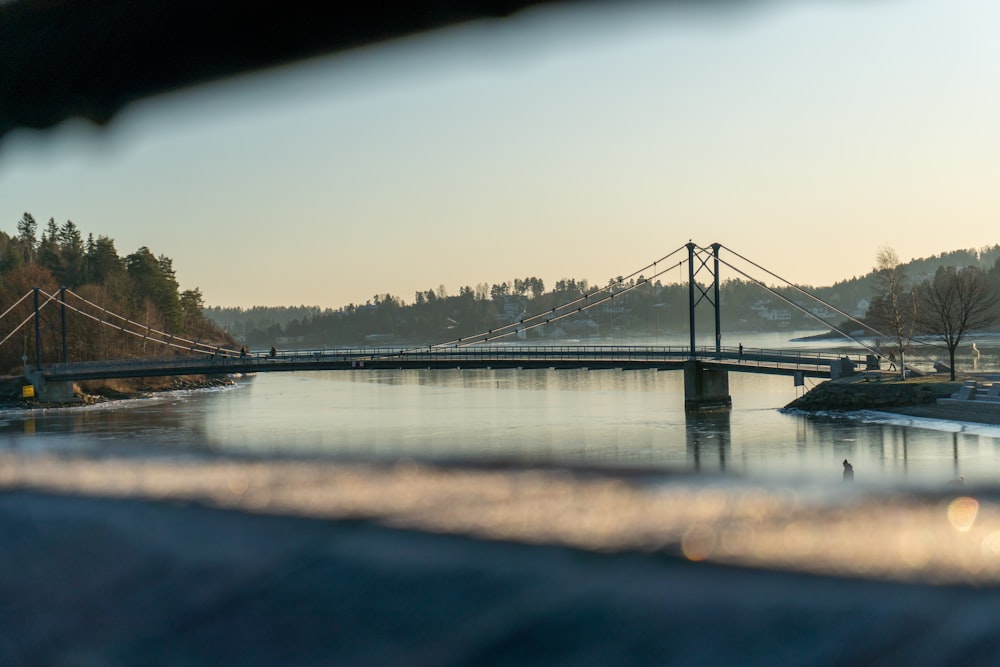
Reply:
x=102, y=260
x=48, y=248
x=10, y=253
x=144, y=289
x=26, y=230
x=71, y=255
x=152, y=279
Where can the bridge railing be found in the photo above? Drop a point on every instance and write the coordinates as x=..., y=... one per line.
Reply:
x=547, y=352
x=604, y=354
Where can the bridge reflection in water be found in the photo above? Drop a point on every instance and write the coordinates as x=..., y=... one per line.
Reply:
x=709, y=438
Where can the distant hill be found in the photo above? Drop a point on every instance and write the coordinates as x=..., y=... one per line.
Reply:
x=640, y=309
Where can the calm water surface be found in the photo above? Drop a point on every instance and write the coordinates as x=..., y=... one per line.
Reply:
x=631, y=419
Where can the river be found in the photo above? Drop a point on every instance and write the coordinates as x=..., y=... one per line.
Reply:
x=607, y=419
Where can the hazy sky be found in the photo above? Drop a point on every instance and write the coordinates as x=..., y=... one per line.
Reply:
x=579, y=142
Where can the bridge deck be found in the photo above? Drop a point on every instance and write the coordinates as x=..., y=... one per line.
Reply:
x=776, y=362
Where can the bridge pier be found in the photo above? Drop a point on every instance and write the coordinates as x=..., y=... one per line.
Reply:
x=60, y=391
x=705, y=388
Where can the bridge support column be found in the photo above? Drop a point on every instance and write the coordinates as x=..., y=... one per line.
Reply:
x=51, y=392
x=705, y=388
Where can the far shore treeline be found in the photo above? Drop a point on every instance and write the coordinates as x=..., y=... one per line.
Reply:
x=653, y=308
x=140, y=286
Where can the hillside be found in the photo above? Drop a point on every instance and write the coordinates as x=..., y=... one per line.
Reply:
x=638, y=309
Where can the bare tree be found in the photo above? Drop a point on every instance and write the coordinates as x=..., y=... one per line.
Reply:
x=953, y=303
x=893, y=307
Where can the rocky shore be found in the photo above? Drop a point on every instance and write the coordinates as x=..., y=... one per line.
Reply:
x=914, y=397
x=854, y=393
x=98, y=391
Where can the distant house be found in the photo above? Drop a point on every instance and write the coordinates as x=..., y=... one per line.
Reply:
x=779, y=315
x=513, y=310
x=822, y=312
x=764, y=310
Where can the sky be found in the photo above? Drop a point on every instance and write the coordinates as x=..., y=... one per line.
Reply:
x=563, y=142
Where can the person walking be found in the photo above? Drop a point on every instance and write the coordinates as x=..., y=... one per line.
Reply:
x=739, y=359
x=848, y=471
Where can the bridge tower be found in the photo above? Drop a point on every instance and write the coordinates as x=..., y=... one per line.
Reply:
x=55, y=392
x=706, y=386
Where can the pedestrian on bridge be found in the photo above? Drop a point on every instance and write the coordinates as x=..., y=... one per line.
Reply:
x=739, y=360
x=848, y=472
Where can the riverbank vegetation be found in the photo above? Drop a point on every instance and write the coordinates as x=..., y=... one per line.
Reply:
x=947, y=306
x=140, y=286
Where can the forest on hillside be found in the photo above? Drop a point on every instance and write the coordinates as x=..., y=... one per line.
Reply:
x=641, y=309
x=140, y=286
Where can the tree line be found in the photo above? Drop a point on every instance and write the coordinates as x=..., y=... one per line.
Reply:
x=944, y=298
x=945, y=307
x=641, y=309
x=140, y=286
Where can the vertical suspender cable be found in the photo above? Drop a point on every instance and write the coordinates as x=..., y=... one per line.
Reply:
x=691, y=247
x=718, y=318
x=65, y=347
x=38, y=335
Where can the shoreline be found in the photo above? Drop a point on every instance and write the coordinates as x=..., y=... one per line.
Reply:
x=914, y=397
x=971, y=413
x=92, y=393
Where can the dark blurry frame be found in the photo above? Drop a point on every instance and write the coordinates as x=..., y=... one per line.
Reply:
x=61, y=59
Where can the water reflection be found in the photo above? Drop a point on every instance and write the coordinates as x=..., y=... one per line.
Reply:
x=709, y=437
x=168, y=423
x=593, y=418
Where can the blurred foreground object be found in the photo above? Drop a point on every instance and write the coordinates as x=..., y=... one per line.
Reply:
x=306, y=562
x=949, y=535
x=61, y=59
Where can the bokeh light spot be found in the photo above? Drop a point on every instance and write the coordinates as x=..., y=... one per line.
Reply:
x=962, y=513
x=698, y=542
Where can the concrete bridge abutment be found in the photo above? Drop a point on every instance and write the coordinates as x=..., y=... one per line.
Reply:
x=60, y=391
x=705, y=387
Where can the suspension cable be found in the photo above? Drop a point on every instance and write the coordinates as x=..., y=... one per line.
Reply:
x=16, y=304
x=817, y=299
x=190, y=344
x=554, y=313
x=796, y=287
x=781, y=296
x=522, y=326
x=29, y=317
x=148, y=329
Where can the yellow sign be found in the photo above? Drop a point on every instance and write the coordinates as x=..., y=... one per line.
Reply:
x=28, y=391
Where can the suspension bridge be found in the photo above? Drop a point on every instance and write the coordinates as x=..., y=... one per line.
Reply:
x=705, y=368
